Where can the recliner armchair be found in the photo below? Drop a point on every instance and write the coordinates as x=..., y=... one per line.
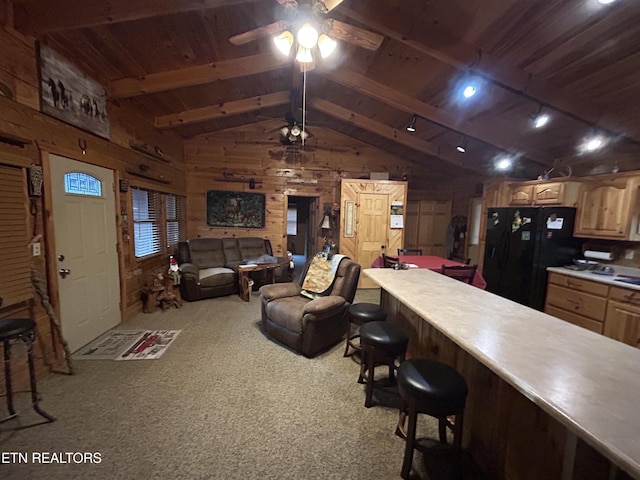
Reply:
x=306, y=325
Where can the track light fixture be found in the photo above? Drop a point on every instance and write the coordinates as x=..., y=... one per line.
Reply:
x=540, y=119
x=462, y=147
x=412, y=126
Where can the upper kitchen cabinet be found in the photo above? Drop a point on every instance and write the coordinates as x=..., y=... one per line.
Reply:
x=557, y=192
x=608, y=209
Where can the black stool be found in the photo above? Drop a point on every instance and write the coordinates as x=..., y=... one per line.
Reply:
x=382, y=343
x=436, y=389
x=25, y=330
x=359, y=314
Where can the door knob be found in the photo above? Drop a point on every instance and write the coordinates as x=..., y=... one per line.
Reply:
x=64, y=272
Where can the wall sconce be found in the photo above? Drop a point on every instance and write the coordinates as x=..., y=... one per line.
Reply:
x=326, y=224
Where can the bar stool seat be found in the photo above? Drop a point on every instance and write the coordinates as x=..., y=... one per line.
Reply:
x=383, y=343
x=12, y=329
x=435, y=389
x=358, y=315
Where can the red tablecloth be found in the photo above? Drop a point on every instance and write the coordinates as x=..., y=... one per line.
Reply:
x=432, y=263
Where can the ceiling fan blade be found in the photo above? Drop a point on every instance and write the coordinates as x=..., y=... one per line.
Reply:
x=274, y=28
x=352, y=34
x=329, y=4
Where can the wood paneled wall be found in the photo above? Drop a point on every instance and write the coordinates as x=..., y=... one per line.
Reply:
x=228, y=160
x=20, y=117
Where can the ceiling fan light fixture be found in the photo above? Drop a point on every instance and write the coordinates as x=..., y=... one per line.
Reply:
x=284, y=42
x=284, y=131
x=304, y=55
x=295, y=130
x=326, y=45
x=303, y=135
x=308, y=36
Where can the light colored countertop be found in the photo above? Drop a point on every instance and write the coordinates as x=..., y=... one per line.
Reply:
x=595, y=277
x=588, y=382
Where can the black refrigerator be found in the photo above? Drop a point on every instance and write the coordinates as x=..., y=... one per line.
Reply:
x=520, y=244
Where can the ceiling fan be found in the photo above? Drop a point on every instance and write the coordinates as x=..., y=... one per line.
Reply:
x=298, y=12
x=293, y=132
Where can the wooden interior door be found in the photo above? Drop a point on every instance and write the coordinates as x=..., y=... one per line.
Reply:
x=433, y=221
x=372, y=228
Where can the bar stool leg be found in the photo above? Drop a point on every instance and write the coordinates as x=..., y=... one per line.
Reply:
x=7, y=379
x=32, y=380
x=370, y=375
x=410, y=442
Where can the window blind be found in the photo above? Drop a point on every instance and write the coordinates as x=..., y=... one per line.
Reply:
x=15, y=283
x=174, y=212
x=146, y=222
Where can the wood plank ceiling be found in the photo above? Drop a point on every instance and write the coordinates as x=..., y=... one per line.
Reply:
x=578, y=60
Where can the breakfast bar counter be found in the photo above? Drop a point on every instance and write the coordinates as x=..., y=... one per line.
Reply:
x=546, y=399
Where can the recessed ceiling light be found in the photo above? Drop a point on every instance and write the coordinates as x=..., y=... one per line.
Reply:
x=593, y=143
x=503, y=163
x=469, y=91
x=540, y=120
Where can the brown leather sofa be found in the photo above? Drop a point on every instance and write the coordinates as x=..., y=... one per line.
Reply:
x=209, y=266
x=309, y=326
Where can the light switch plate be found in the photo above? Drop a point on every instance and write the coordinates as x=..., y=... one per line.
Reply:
x=36, y=249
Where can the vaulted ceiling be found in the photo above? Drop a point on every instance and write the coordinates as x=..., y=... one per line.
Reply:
x=578, y=60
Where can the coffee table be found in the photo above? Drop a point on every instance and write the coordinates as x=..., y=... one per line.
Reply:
x=244, y=277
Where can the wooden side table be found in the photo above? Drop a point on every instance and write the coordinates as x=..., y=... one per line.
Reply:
x=244, y=277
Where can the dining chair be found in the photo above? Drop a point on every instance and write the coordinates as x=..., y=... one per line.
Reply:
x=464, y=273
x=409, y=251
x=390, y=262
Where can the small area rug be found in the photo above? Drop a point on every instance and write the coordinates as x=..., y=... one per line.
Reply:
x=128, y=345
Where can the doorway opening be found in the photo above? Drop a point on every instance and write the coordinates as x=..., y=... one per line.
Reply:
x=301, y=230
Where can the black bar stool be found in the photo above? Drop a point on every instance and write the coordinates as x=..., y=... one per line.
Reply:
x=358, y=315
x=435, y=389
x=12, y=329
x=382, y=344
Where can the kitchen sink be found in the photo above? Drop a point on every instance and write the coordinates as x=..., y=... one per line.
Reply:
x=631, y=280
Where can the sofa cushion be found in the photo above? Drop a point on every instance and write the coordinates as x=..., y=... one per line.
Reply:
x=206, y=252
x=288, y=311
x=231, y=250
x=214, y=277
x=251, y=248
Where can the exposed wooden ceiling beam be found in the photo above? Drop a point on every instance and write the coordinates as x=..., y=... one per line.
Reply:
x=222, y=110
x=447, y=154
x=38, y=17
x=452, y=51
x=196, y=75
x=485, y=133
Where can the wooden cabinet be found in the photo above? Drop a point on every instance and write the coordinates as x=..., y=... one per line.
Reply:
x=521, y=195
x=605, y=209
x=577, y=301
x=622, y=321
x=609, y=310
x=549, y=193
x=563, y=193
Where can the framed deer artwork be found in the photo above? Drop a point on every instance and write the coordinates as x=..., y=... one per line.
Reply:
x=235, y=209
x=69, y=95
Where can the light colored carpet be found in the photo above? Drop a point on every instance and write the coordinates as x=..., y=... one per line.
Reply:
x=225, y=402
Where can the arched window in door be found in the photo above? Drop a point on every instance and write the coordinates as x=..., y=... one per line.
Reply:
x=78, y=183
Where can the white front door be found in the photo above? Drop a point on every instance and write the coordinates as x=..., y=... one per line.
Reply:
x=84, y=218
